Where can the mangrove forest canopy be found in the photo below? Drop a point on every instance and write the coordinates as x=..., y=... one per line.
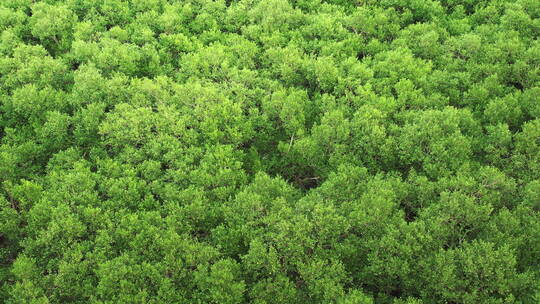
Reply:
x=270, y=151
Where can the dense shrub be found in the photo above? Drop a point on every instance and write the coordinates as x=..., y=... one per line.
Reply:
x=280, y=151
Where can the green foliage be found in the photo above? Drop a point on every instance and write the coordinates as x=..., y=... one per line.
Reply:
x=282, y=151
